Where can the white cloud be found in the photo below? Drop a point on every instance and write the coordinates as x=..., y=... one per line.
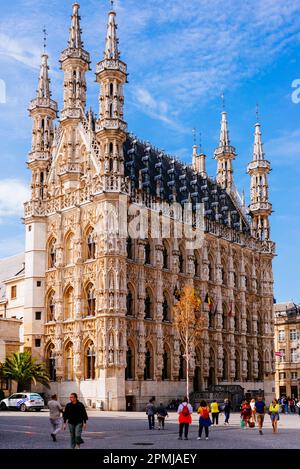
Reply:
x=284, y=149
x=22, y=50
x=13, y=193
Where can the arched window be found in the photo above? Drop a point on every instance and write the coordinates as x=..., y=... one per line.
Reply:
x=90, y=357
x=91, y=300
x=224, y=274
x=111, y=111
x=165, y=307
x=69, y=245
x=51, y=254
x=129, y=248
x=249, y=367
x=210, y=270
x=237, y=374
x=181, y=261
x=129, y=370
x=51, y=306
x=248, y=323
x=197, y=264
x=235, y=279
x=182, y=365
x=166, y=256
x=224, y=317
x=91, y=245
x=225, y=366
x=260, y=365
x=50, y=362
x=129, y=302
x=166, y=364
x=260, y=325
x=69, y=362
x=69, y=303
x=148, y=370
x=111, y=89
x=147, y=253
x=111, y=165
x=148, y=305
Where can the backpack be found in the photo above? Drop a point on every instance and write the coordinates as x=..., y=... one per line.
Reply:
x=205, y=413
x=185, y=411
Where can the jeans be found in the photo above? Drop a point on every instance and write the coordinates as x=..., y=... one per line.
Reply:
x=186, y=429
x=75, y=433
x=227, y=415
x=286, y=408
x=215, y=418
x=56, y=425
x=151, y=421
x=161, y=422
x=206, y=429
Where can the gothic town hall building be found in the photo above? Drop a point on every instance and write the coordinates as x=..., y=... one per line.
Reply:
x=106, y=297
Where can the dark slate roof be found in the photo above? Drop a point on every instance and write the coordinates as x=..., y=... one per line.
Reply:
x=157, y=173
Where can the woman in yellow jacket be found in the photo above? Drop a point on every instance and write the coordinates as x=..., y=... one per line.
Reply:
x=274, y=414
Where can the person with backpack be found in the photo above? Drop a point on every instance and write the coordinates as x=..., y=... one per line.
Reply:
x=214, y=412
x=162, y=413
x=204, y=419
x=185, y=411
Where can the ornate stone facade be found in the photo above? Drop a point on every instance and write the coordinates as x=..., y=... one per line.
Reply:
x=107, y=297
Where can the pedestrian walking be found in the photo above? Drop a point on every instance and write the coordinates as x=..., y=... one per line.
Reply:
x=292, y=405
x=274, y=414
x=150, y=411
x=227, y=409
x=185, y=411
x=245, y=413
x=253, y=410
x=214, y=412
x=162, y=413
x=56, y=420
x=204, y=419
x=76, y=416
x=260, y=408
x=298, y=407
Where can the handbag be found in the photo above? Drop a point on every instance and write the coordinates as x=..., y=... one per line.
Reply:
x=242, y=423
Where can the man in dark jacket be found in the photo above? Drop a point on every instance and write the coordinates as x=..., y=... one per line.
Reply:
x=76, y=416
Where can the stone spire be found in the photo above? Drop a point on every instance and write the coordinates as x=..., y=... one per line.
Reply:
x=225, y=154
x=43, y=90
x=112, y=41
x=75, y=63
x=43, y=111
x=260, y=207
x=75, y=41
x=224, y=133
x=111, y=74
x=258, y=153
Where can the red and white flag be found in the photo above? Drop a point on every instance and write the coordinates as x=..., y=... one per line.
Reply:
x=278, y=354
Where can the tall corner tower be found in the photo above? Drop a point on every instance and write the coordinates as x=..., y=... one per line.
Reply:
x=225, y=154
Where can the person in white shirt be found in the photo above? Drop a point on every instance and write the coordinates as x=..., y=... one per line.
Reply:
x=55, y=417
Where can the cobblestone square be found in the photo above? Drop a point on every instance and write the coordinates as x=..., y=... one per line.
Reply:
x=120, y=430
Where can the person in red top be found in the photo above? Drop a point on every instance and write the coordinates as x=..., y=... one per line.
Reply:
x=185, y=411
x=245, y=412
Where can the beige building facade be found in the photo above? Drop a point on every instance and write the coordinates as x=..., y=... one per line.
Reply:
x=287, y=344
x=107, y=250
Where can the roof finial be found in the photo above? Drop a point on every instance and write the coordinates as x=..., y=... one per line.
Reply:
x=200, y=143
x=257, y=112
x=45, y=38
x=112, y=4
x=194, y=136
x=223, y=101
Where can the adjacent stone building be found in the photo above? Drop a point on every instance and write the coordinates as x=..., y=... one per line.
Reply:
x=287, y=343
x=105, y=295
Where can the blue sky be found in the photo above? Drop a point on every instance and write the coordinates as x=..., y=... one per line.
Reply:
x=181, y=56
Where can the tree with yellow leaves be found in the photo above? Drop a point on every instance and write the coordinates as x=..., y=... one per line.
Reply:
x=189, y=323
